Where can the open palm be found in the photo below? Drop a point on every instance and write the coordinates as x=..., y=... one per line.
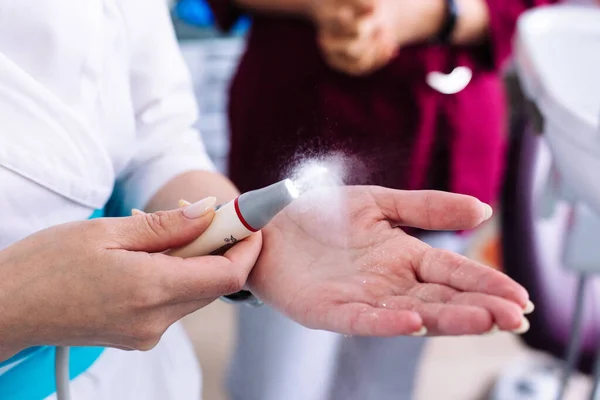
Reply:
x=337, y=259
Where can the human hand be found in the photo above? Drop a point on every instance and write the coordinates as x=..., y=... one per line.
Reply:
x=338, y=15
x=337, y=260
x=95, y=283
x=359, y=43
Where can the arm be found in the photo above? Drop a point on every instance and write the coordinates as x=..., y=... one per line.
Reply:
x=371, y=41
x=471, y=27
x=488, y=22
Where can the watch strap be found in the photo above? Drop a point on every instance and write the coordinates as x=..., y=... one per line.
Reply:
x=444, y=36
x=243, y=296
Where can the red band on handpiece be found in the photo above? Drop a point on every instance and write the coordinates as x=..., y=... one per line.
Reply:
x=241, y=217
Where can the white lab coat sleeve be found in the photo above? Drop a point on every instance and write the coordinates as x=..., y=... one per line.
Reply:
x=164, y=105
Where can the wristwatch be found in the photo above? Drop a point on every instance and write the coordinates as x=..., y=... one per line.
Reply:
x=444, y=36
x=243, y=297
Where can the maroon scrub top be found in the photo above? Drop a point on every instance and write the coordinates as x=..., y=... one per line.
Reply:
x=287, y=104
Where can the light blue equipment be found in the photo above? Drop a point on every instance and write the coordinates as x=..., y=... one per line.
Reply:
x=551, y=221
x=199, y=14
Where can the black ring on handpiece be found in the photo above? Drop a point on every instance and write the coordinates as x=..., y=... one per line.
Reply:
x=450, y=19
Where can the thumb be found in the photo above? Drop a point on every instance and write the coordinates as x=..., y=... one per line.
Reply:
x=163, y=230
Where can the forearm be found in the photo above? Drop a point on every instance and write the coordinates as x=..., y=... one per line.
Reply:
x=295, y=7
x=9, y=345
x=471, y=27
x=14, y=330
x=192, y=186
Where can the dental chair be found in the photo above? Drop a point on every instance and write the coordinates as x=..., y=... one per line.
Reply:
x=550, y=222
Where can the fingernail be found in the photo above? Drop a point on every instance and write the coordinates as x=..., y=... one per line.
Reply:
x=420, y=332
x=488, y=211
x=524, y=327
x=529, y=307
x=200, y=208
x=184, y=203
x=135, y=211
x=493, y=329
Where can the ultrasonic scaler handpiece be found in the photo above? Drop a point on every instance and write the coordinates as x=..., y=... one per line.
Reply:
x=240, y=218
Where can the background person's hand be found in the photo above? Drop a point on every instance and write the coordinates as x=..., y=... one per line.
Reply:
x=96, y=283
x=362, y=42
x=337, y=260
x=339, y=15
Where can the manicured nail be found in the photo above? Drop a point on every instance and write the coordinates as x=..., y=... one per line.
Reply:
x=420, y=332
x=524, y=327
x=529, y=307
x=135, y=211
x=493, y=329
x=200, y=208
x=488, y=211
x=184, y=203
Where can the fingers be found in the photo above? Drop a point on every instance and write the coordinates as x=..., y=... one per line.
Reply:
x=345, y=25
x=444, y=319
x=460, y=273
x=361, y=6
x=356, y=56
x=448, y=312
x=355, y=44
x=351, y=65
x=162, y=230
x=337, y=17
x=507, y=315
x=245, y=252
x=433, y=210
x=364, y=320
x=207, y=277
x=339, y=22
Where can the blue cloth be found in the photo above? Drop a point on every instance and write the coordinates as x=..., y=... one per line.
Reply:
x=32, y=378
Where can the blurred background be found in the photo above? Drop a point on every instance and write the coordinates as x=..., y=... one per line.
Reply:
x=451, y=368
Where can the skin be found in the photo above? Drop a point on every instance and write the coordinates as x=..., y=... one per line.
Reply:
x=107, y=282
x=362, y=275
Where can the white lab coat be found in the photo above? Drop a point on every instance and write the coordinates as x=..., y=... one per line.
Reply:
x=95, y=94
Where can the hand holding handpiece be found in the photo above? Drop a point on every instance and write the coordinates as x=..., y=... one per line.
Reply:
x=105, y=282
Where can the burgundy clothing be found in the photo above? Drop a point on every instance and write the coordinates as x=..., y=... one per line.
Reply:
x=286, y=104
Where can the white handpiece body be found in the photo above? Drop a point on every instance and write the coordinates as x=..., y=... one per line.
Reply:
x=225, y=230
x=240, y=218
